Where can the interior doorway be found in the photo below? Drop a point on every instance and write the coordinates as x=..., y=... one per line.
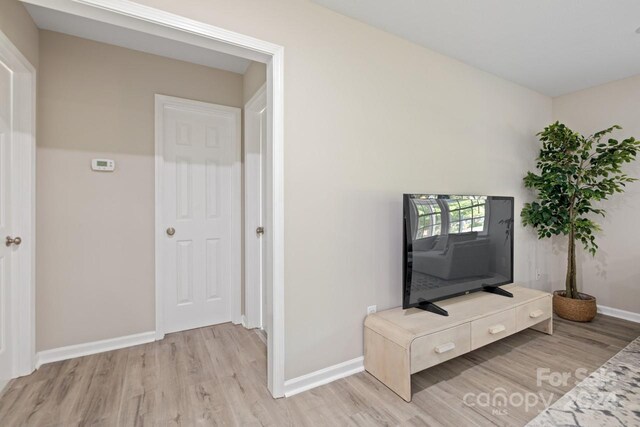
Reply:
x=98, y=18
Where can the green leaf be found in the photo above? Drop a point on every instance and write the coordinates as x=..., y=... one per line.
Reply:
x=574, y=171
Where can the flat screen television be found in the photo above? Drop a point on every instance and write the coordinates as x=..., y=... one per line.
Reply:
x=454, y=245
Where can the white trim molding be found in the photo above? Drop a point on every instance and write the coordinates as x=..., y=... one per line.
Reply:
x=323, y=376
x=137, y=17
x=22, y=204
x=79, y=350
x=620, y=314
x=274, y=214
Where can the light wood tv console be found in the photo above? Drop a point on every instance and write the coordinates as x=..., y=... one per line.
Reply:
x=398, y=343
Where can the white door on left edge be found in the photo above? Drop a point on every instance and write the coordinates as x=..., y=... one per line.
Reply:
x=200, y=143
x=6, y=309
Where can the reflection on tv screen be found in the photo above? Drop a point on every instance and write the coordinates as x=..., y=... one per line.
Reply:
x=455, y=245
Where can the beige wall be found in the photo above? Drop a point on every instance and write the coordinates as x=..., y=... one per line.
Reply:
x=254, y=77
x=613, y=275
x=16, y=24
x=369, y=116
x=95, y=265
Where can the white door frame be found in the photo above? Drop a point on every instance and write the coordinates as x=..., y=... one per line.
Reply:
x=161, y=223
x=149, y=20
x=22, y=202
x=253, y=291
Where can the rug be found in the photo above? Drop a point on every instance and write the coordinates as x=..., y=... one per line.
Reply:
x=610, y=396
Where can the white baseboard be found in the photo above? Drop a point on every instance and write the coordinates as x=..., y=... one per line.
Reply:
x=78, y=350
x=237, y=318
x=620, y=314
x=323, y=376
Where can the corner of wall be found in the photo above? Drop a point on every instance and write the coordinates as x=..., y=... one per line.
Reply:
x=253, y=79
x=18, y=26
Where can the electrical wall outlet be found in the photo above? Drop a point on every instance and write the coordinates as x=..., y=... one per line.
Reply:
x=372, y=309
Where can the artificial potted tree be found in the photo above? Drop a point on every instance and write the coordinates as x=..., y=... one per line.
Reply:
x=575, y=174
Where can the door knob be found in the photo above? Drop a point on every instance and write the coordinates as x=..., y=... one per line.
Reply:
x=260, y=231
x=171, y=231
x=15, y=241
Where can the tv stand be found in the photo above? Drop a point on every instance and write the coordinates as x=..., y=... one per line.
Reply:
x=398, y=343
x=497, y=290
x=433, y=308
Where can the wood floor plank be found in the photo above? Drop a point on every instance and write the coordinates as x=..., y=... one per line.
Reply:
x=42, y=395
x=101, y=399
x=216, y=376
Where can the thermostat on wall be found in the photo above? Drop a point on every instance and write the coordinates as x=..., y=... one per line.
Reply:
x=103, y=165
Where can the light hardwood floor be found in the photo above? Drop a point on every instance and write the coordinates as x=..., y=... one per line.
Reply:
x=217, y=376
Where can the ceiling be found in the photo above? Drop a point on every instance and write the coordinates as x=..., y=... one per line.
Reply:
x=49, y=19
x=551, y=46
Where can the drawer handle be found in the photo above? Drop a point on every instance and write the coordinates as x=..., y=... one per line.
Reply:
x=496, y=329
x=445, y=347
x=536, y=313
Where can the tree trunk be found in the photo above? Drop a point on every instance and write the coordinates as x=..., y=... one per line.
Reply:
x=572, y=289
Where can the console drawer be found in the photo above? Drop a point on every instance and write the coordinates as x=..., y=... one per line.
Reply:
x=533, y=313
x=492, y=328
x=432, y=349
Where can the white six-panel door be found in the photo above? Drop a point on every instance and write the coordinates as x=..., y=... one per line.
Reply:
x=6, y=352
x=199, y=212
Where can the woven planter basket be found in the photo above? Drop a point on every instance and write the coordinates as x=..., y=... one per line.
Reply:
x=578, y=310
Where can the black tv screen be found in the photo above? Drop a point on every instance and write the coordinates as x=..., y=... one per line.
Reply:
x=454, y=245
